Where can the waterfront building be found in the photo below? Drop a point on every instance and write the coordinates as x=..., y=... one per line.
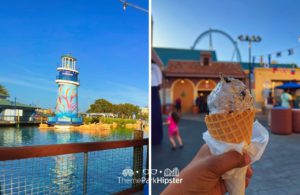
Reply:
x=108, y=115
x=13, y=111
x=144, y=110
x=45, y=111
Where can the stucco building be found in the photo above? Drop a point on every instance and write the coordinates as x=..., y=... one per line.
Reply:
x=189, y=73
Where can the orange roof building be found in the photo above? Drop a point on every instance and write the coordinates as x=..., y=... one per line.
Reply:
x=191, y=73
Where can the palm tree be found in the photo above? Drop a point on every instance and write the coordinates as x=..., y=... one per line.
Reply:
x=3, y=91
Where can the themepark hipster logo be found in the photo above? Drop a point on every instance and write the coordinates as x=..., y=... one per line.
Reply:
x=166, y=176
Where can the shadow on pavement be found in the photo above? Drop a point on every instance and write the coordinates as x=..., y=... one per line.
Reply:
x=278, y=171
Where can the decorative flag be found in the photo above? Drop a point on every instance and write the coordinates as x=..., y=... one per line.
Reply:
x=284, y=70
x=261, y=60
x=253, y=60
x=278, y=54
x=291, y=51
x=292, y=71
x=269, y=59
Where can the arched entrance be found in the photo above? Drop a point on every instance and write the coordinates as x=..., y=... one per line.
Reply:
x=203, y=89
x=183, y=89
x=206, y=85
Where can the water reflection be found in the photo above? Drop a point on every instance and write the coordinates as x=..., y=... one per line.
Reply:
x=124, y=133
x=24, y=136
x=66, y=171
x=62, y=137
x=64, y=174
x=96, y=133
x=71, y=135
x=15, y=136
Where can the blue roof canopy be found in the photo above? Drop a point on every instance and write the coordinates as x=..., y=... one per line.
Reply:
x=289, y=85
x=166, y=54
x=245, y=65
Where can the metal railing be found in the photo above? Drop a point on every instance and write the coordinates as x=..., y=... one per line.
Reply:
x=61, y=66
x=77, y=168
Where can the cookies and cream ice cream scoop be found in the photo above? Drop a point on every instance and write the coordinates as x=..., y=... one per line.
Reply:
x=230, y=125
x=231, y=112
x=228, y=96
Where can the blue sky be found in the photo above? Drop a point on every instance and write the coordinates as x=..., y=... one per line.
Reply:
x=111, y=47
x=178, y=23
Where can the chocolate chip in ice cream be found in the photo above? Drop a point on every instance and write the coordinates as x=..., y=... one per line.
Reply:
x=229, y=95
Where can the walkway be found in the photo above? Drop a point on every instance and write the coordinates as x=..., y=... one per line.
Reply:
x=278, y=172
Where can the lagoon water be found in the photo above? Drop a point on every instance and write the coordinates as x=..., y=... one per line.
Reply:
x=28, y=136
x=64, y=174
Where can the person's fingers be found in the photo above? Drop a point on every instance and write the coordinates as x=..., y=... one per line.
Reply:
x=203, y=153
x=223, y=187
x=249, y=172
x=222, y=163
x=247, y=182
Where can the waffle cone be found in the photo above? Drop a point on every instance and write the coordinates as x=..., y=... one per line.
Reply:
x=234, y=127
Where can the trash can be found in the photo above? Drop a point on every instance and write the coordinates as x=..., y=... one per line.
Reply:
x=281, y=120
x=195, y=109
x=296, y=120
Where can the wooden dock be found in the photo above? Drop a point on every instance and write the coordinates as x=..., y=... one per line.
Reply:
x=21, y=123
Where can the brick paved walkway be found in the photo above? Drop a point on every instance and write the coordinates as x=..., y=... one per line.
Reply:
x=278, y=172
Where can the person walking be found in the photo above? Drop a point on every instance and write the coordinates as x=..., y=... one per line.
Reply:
x=286, y=97
x=178, y=105
x=269, y=106
x=156, y=115
x=205, y=105
x=173, y=130
x=198, y=102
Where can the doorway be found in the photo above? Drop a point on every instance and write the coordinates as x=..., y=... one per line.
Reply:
x=202, y=101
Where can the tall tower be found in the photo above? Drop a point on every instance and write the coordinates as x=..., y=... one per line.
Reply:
x=66, y=109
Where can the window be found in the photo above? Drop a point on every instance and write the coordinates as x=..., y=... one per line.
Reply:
x=206, y=61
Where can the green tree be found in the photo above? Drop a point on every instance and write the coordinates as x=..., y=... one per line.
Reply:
x=126, y=110
x=3, y=91
x=101, y=106
x=144, y=116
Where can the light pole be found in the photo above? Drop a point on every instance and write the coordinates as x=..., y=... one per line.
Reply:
x=126, y=4
x=15, y=110
x=250, y=39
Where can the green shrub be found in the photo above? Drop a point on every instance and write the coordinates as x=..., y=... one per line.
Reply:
x=119, y=121
x=89, y=120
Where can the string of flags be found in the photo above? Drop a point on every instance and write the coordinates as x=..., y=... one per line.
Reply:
x=278, y=54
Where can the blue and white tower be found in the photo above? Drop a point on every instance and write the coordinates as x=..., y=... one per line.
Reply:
x=66, y=109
